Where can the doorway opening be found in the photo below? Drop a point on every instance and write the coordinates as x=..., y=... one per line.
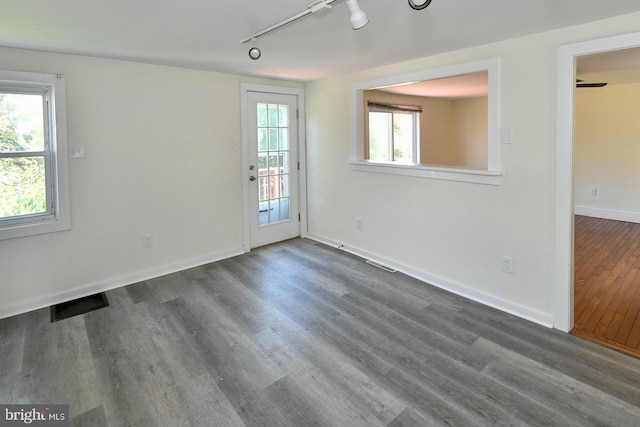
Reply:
x=609, y=60
x=606, y=199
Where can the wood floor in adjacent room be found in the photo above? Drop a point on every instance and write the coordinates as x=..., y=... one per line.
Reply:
x=607, y=283
x=301, y=334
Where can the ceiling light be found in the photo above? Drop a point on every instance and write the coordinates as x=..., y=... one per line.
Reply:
x=358, y=17
x=254, y=53
x=419, y=4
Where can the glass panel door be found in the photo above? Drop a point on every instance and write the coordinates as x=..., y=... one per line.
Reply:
x=273, y=173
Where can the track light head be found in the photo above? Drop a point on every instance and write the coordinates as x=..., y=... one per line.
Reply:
x=358, y=17
x=419, y=4
x=254, y=53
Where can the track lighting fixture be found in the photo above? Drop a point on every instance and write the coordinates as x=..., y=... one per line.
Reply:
x=419, y=4
x=358, y=20
x=358, y=17
x=254, y=52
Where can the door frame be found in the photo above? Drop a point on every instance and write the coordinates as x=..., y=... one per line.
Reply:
x=563, y=304
x=245, y=88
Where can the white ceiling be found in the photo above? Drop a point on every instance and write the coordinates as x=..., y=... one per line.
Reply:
x=206, y=34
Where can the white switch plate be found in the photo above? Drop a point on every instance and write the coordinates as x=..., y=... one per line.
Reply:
x=506, y=135
x=76, y=151
x=147, y=241
x=507, y=265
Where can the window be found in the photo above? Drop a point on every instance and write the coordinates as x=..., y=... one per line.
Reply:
x=33, y=166
x=393, y=133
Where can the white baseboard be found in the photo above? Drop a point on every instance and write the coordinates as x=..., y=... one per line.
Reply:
x=608, y=214
x=445, y=284
x=116, y=282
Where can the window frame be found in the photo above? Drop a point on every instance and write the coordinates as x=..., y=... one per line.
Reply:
x=492, y=175
x=55, y=153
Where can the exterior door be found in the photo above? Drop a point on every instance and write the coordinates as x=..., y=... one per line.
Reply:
x=272, y=172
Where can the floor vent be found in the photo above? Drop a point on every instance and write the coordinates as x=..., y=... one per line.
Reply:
x=381, y=266
x=78, y=306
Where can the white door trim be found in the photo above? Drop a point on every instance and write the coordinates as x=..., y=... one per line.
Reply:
x=245, y=88
x=563, y=255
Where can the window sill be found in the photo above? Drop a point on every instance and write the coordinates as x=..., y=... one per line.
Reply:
x=34, y=228
x=461, y=174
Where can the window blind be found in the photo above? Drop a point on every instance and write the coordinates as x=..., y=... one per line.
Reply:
x=391, y=108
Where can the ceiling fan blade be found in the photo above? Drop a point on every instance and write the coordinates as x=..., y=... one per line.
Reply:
x=591, y=84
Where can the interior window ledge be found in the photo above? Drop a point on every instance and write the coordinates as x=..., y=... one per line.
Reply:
x=476, y=176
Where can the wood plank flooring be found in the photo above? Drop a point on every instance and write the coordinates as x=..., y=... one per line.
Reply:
x=301, y=334
x=607, y=283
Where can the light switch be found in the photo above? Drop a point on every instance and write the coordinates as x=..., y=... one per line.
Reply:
x=506, y=135
x=76, y=151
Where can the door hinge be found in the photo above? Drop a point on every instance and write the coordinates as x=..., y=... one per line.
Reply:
x=299, y=217
x=297, y=114
x=298, y=165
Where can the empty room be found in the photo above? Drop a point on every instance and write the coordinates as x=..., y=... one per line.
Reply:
x=327, y=213
x=606, y=200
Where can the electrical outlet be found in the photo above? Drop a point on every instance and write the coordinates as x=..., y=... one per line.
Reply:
x=593, y=191
x=507, y=265
x=147, y=241
x=359, y=223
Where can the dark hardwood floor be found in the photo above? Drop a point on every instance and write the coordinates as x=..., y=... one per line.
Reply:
x=301, y=334
x=607, y=283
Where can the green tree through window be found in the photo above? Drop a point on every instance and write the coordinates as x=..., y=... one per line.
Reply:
x=392, y=136
x=22, y=165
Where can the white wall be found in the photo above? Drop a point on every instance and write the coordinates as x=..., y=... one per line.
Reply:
x=455, y=233
x=159, y=161
x=607, y=151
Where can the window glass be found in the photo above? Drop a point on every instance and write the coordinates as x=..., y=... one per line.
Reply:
x=22, y=186
x=403, y=137
x=23, y=169
x=392, y=137
x=21, y=122
x=380, y=126
x=273, y=163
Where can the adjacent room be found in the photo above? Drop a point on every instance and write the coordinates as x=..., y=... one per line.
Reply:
x=606, y=197
x=335, y=213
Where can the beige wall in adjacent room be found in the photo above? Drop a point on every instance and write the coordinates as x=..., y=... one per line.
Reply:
x=470, y=132
x=607, y=150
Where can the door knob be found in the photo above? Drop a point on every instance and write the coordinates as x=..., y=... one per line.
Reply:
x=252, y=178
